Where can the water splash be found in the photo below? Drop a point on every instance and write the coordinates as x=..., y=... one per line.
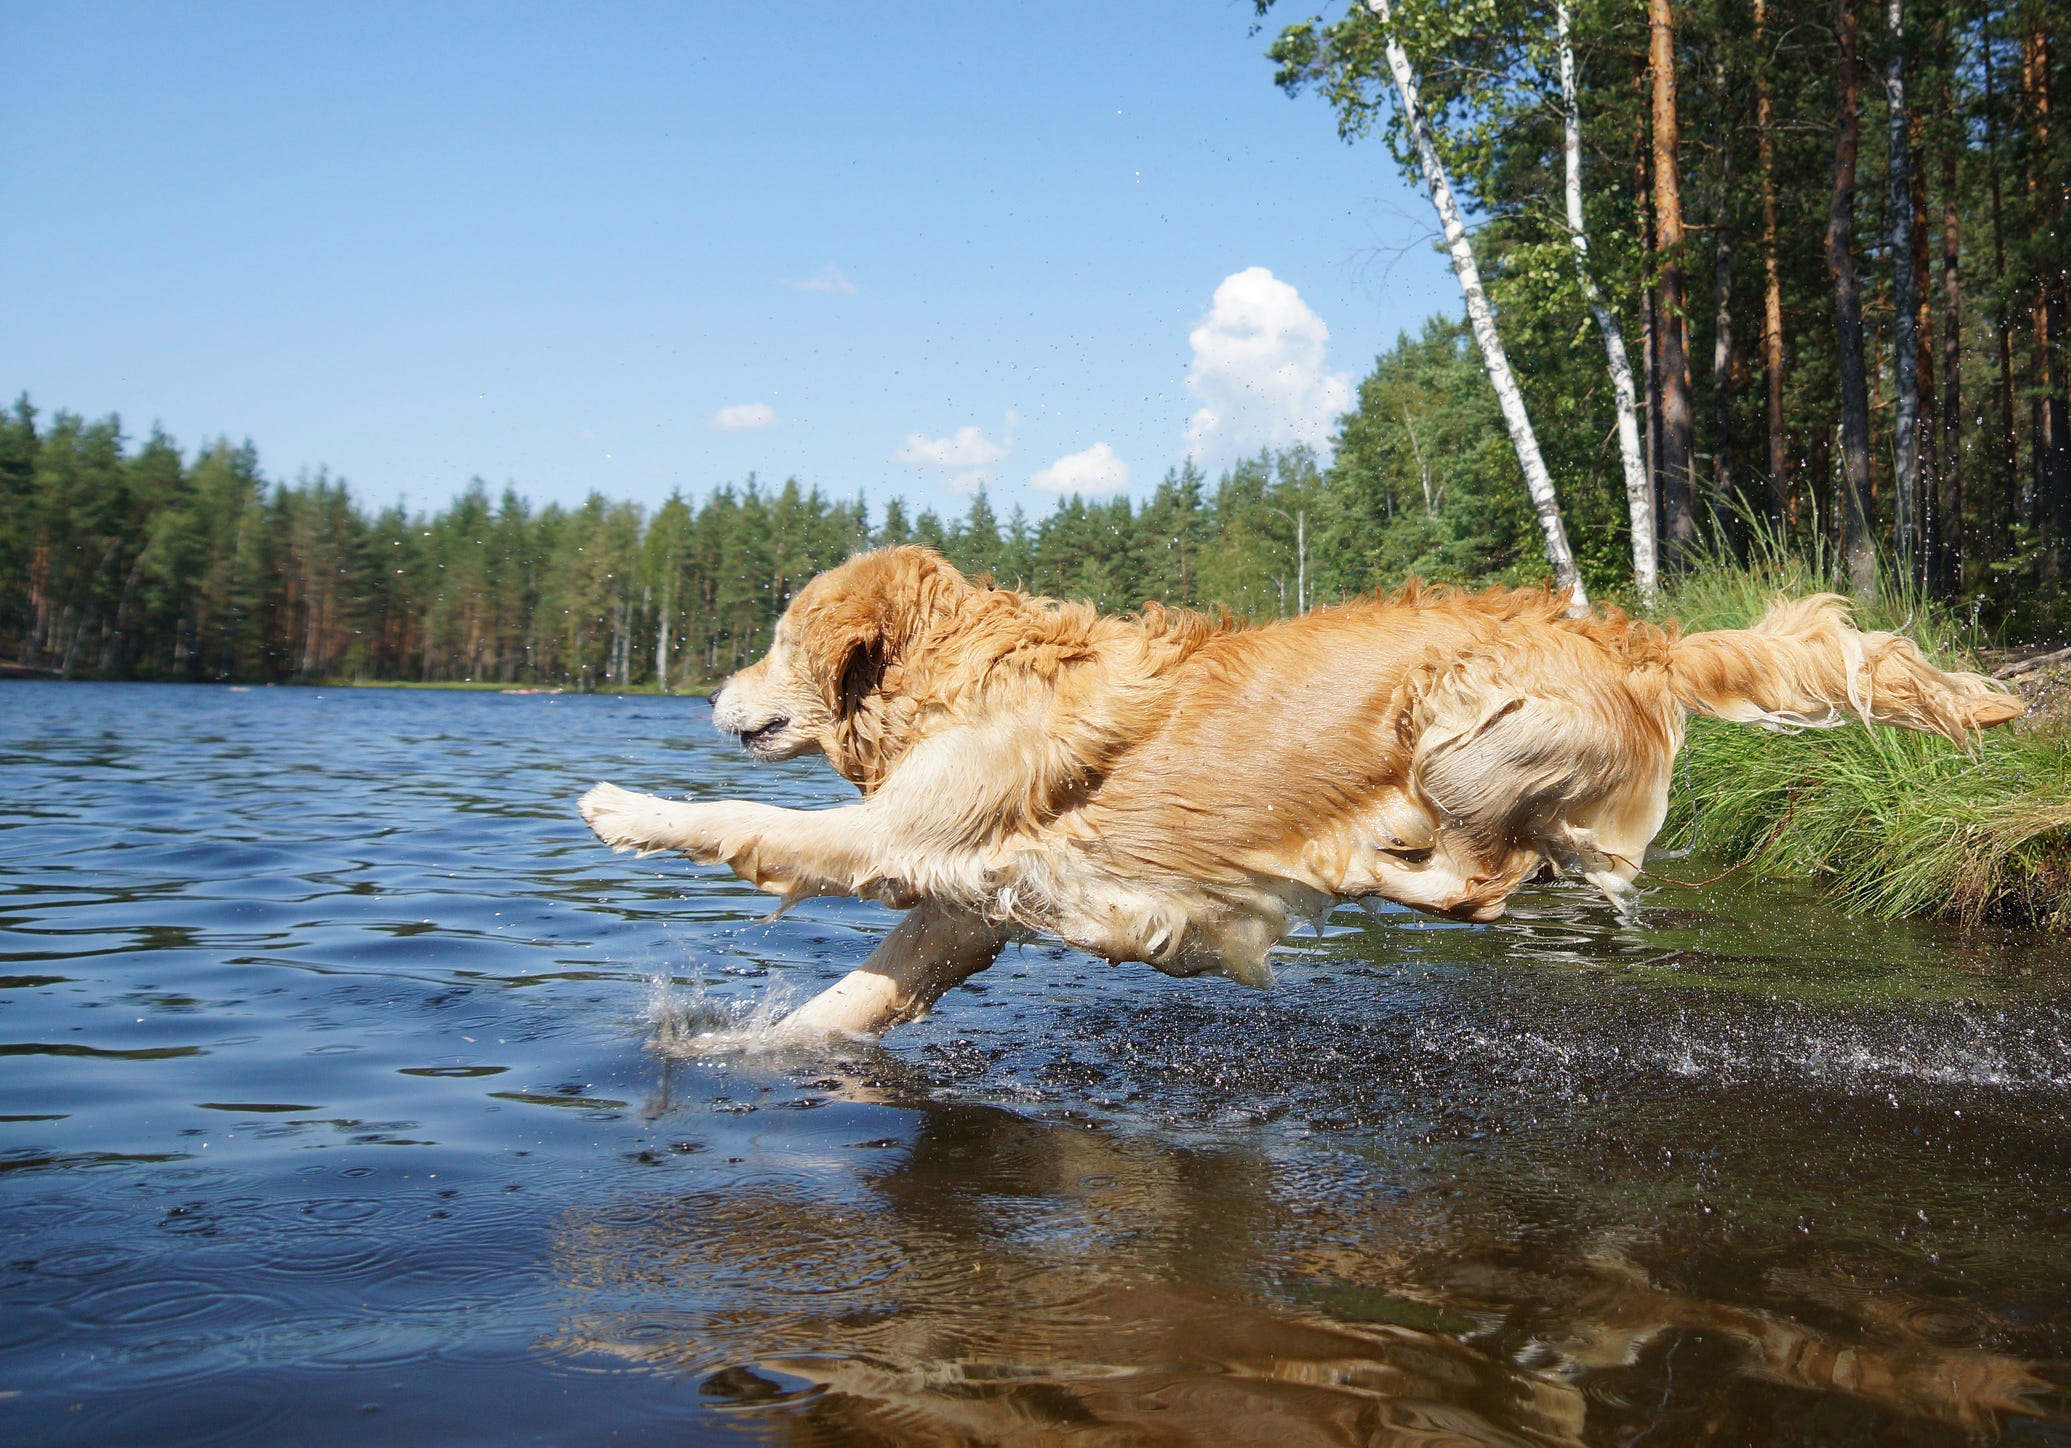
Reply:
x=693, y=1023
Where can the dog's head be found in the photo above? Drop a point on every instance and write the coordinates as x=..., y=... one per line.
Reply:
x=819, y=688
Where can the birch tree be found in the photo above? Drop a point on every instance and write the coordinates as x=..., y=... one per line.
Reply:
x=1639, y=496
x=1480, y=316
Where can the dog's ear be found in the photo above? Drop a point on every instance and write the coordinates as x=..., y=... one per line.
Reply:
x=861, y=672
x=882, y=605
x=845, y=643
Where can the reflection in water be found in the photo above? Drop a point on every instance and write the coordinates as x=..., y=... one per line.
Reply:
x=1009, y=1280
x=329, y=1107
x=999, y=1278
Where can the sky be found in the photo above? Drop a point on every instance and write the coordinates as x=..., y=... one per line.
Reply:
x=906, y=249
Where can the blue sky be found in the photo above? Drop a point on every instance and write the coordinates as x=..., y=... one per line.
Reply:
x=632, y=248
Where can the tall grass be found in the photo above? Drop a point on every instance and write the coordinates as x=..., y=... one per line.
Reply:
x=1899, y=823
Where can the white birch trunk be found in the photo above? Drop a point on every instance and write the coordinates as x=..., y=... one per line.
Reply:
x=1639, y=493
x=1301, y=548
x=1423, y=468
x=1905, y=340
x=661, y=637
x=1538, y=481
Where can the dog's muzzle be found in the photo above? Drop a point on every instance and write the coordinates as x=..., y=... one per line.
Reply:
x=730, y=716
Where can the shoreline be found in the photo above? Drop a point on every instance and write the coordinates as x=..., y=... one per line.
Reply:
x=455, y=686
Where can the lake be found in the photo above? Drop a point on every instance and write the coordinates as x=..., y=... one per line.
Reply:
x=351, y=1092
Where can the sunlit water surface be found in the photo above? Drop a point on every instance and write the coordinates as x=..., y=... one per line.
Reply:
x=349, y=1091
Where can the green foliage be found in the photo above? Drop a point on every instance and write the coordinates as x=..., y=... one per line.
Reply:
x=1899, y=823
x=1990, y=174
x=120, y=563
x=1424, y=481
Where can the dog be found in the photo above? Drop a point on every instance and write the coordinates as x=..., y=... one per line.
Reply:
x=1177, y=789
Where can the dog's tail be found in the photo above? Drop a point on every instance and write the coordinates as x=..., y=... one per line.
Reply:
x=1804, y=666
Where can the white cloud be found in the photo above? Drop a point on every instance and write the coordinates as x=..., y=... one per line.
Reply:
x=830, y=281
x=1096, y=470
x=967, y=455
x=1258, y=372
x=744, y=415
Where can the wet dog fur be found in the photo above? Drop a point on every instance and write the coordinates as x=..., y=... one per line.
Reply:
x=1177, y=789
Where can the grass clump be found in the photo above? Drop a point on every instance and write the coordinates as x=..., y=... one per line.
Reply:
x=1900, y=824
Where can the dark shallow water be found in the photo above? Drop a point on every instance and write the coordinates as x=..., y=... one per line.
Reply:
x=349, y=1091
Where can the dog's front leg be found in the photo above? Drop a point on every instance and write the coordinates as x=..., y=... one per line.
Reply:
x=796, y=853
x=644, y=822
x=788, y=852
x=935, y=947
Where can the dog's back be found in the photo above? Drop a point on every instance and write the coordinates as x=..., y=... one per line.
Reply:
x=1440, y=749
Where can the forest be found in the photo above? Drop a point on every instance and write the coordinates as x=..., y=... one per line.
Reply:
x=1735, y=274
x=123, y=562
x=1804, y=263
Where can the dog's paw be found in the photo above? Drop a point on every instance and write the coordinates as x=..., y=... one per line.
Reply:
x=624, y=820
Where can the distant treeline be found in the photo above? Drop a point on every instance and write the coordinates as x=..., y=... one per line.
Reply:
x=138, y=561
x=121, y=562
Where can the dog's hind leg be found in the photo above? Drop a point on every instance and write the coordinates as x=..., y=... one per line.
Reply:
x=1551, y=769
x=934, y=948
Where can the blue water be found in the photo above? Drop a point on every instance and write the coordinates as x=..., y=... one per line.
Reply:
x=349, y=1091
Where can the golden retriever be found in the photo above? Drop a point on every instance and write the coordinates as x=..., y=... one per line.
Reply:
x=1177, y=789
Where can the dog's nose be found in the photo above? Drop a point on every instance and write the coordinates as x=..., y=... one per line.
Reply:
x=722, y=718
